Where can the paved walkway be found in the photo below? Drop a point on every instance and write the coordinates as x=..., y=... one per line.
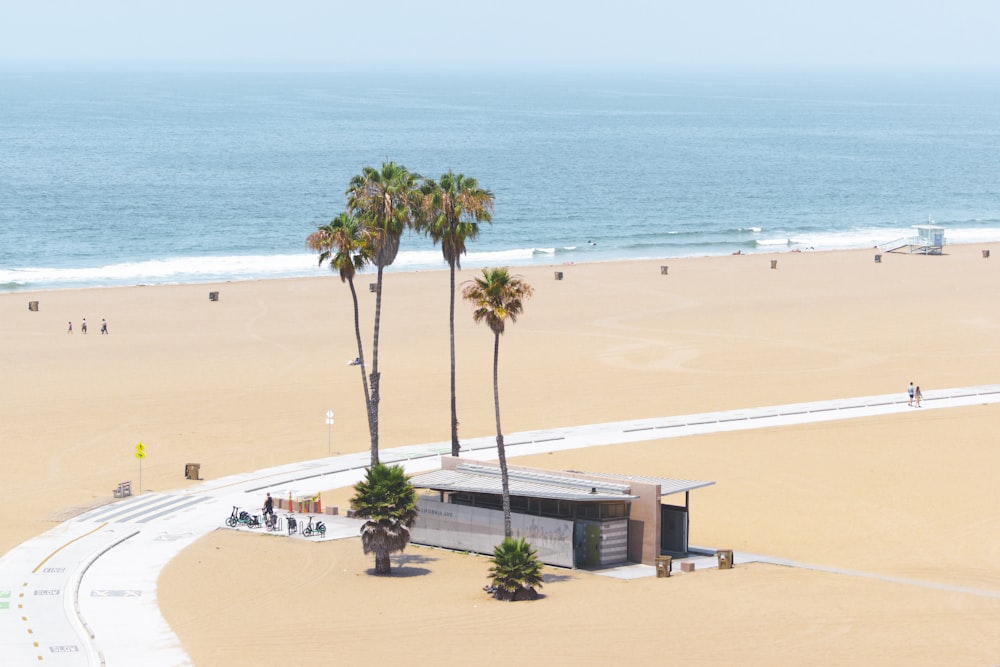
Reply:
x=84, y=593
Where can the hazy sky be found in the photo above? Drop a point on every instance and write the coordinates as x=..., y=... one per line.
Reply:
x=504, y=33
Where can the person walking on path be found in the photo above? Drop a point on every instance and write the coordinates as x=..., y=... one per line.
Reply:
x=104, y=326
x=917, y=396
x=83, y=326
x=910, y=391
x=269, y=512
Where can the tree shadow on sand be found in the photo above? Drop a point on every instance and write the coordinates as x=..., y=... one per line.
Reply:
x=400, y=572
x=403, y=566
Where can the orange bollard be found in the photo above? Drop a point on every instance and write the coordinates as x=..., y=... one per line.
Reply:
x=319, y=504
x=290, y=506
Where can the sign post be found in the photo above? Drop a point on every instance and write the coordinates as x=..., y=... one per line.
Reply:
x=329, y=431
x=140, y=453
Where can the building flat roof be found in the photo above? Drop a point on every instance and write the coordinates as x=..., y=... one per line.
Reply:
x=668, y=486
x=476, y=478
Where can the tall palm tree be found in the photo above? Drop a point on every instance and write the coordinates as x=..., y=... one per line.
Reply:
x=388, y=502
x=384, y=200
x=343, y=243
x=451, y=211
x=496, y=297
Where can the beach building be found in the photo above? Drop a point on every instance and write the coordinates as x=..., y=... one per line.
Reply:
x=928, y=241
x=571, y=518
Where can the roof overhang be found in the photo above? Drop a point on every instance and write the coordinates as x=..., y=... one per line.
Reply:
x=476, y=478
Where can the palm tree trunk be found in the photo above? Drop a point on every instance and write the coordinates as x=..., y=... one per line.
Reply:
x=383, y=564
x=361, y=354
x=455, y=447
x=501, y=454
x=373, y=407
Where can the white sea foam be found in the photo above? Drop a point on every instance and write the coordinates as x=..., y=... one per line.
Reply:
x=180, y=269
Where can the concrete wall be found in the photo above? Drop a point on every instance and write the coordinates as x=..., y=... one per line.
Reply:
x=644, y=524
x=479, y=530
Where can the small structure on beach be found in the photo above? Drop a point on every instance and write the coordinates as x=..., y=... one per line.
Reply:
x=928, y=241
x=571, y=518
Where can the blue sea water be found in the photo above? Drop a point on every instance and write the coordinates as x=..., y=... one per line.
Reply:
x=122, y=178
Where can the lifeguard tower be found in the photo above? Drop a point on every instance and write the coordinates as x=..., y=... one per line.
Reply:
x=928, y=241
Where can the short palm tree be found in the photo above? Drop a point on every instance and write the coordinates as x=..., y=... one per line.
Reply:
x=384, y=201
x=496, y=297
x=388, y=503
x=515, y=570
x=343, y=244
x=451, y=210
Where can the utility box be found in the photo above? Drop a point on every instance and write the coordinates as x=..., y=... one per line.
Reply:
x=192, y=471
x=725, y=558
x=663, y=564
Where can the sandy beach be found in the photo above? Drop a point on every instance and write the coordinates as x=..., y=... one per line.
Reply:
x=244, y=382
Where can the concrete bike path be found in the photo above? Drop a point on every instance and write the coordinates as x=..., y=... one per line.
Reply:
x=84, y=593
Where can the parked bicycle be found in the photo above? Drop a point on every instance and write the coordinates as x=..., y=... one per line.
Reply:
x=310, y=529
x=239, y=517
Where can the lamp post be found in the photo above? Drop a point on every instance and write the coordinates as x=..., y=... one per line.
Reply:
x=329, y=431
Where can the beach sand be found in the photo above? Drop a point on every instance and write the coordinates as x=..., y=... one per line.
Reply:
x=244, y=383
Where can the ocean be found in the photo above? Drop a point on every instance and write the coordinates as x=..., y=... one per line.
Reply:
x=114, y=178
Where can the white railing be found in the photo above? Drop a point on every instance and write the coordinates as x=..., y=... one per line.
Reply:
x=897, y=244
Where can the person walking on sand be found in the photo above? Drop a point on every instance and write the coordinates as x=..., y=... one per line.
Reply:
x=104, y=326
x=83, y=326
x=70, y=329
x=910, y=390
x=917, y=396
